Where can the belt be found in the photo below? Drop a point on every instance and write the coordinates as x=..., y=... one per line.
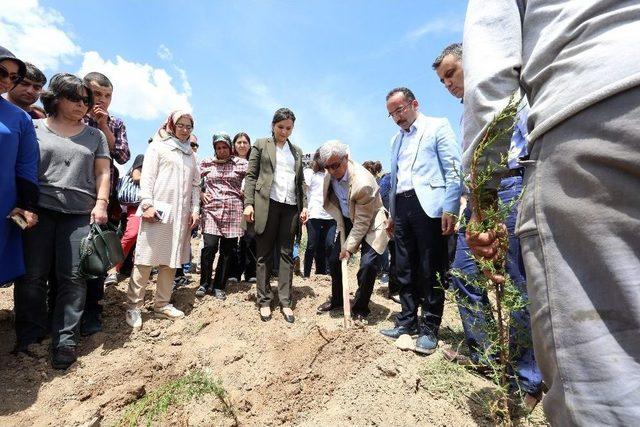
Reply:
x=515, y=172
x=407, y=194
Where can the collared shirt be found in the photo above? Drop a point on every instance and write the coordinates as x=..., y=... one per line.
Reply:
x=407, y=155
x=223, y=182
x=341, y=189
x=315, y=184
x=283, y=189
x=120, y=152
x=518, y=147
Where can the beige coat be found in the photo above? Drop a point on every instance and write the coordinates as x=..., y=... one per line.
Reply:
x=365, y=210
x=169, y=175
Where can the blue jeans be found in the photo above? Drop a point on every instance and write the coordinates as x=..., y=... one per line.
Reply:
x=475, y=309
x=53, y=245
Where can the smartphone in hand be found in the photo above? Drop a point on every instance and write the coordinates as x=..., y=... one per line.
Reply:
x=19, y=220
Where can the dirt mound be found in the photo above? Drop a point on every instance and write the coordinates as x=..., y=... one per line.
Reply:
x=312, y=372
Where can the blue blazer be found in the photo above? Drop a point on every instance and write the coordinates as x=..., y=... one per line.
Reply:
x=436, y=169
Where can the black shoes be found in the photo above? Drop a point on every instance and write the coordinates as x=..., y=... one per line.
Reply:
x=399, y=330
x=63, y=357
x=265, y=314
x=287, y=313
x=328, y=306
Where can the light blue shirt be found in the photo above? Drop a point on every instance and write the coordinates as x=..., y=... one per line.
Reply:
x=518, y=147
x=341, y=189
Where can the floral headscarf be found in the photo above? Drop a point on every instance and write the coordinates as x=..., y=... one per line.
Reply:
x=167, y=132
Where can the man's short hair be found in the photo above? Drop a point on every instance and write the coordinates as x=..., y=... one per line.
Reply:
x=454, y=49
x=34, y=74
x=408, y=95
x=99, y=78
x=332, y=148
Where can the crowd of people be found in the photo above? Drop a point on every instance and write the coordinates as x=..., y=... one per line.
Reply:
x=572, y=244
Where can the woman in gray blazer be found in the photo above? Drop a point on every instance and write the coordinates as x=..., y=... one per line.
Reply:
x=275, y=205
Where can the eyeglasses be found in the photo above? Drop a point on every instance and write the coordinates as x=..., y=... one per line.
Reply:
x=398, y=110
x=194, y=146
x=181, y=126
x=5, y=74
x=334, y=166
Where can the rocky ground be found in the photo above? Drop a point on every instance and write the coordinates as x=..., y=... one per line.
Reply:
x=312, y=372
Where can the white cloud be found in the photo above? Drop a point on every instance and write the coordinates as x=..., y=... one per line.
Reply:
x=164, y=53
x=141, y=91
x=35, y=34
x=438, y=25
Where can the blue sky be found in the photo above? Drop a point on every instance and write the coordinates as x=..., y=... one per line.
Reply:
x=234, y=63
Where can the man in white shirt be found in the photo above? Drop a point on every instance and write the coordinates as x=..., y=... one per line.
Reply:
x=424, y=199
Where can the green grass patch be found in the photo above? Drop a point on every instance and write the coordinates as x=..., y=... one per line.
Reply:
x=155, y=404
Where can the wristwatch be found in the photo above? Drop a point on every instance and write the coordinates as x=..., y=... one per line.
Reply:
x=145, y=206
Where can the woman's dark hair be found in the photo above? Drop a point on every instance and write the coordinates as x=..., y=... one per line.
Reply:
x=235, y=138
x=373, y=166
x=283, y=114
x=315, y=163
x=63, y=85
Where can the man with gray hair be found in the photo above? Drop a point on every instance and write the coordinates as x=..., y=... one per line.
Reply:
x=351, y=196
x=580, y=212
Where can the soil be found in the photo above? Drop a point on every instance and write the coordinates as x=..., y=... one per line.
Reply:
x=313, y=372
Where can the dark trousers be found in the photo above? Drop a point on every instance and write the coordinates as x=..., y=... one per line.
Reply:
x=208, y=253
x=279, y=233
x=394, y=287
x=475, y=308
x=52, y=246
x=244, y=259
x=321, y=234
x=421, y=257
x=370, y=264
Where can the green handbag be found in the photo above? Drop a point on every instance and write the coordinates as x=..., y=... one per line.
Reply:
x=100, y=251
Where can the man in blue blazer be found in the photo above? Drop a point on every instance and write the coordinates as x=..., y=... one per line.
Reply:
x=424, y=200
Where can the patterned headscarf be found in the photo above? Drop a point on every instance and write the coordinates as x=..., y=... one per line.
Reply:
x=167, y=132
x=168, y=129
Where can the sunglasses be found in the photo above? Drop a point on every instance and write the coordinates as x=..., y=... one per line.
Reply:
x=76, y=97
x=4, y=74
x=333, y=166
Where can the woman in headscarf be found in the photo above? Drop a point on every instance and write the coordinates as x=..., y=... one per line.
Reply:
x=19, y=165
x=221, y=213
x=275, y=202
x=169, y=203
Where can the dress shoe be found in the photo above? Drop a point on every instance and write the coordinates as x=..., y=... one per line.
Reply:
x=265, y=314
x=288, y=314
x=427, y=343
x=328, y=306
x=63, y=357
x=399, y=330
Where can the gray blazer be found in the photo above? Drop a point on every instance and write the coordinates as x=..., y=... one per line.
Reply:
x=257, y=185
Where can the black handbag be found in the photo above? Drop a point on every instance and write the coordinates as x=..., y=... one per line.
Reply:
x=100, y=251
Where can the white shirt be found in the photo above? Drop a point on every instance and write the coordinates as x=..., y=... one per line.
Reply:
x=315, y=184
x=341, y=188
x=283, y=189
x=407, y=154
